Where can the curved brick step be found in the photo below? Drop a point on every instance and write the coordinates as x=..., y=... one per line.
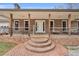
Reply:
x=40, y=40
x=37, y=35
x=41, y=49
x=48, y=43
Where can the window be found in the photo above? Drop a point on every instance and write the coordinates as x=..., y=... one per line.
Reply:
x=36, y=26
x=78, y=26
x=64, y=25
x=52, y=25
x=16, y=25
x=26, y=25
x=43, y=26
x=3, y=29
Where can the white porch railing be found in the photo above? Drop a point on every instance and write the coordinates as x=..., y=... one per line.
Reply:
x=33, y=30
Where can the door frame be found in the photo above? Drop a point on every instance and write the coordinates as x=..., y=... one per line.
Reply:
x=42, y=25
x=62, y=24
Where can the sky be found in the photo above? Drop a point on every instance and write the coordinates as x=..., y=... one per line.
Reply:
x=40, y=5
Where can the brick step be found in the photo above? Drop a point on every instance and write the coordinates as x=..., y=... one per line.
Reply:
x=41, y=44
x=37, y=35
x=48, y=43
x=41, y=49
x=39, y=40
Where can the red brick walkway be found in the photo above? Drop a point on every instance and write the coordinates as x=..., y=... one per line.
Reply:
x=20, y=50
x=61, y=39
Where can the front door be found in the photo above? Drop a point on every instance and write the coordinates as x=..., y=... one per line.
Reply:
x=40, y=26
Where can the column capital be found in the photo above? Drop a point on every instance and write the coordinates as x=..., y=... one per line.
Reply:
x=69, y=15
x=29, y=14
x=49, y=14
x=11, y=15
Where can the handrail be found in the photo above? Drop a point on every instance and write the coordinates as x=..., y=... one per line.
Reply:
x=52, y=29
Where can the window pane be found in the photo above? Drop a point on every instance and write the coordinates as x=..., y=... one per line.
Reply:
x=64, y=25
x=51, y=25
x=26, y=25
x=16, y=25
x=43, y=26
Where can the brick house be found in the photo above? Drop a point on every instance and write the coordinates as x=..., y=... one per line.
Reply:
x=52, y=21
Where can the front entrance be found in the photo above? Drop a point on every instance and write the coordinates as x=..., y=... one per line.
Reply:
x=40, y=26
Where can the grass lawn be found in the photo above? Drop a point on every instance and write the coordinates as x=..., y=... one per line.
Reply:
x=6, y=46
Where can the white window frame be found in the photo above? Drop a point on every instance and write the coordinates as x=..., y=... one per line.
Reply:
x=18, y=25
x=24, y=24
x=62, y=23
x=77, y=24
x=53, y=25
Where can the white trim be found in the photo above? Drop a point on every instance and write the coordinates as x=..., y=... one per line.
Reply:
x=18, y=26
x=77, y=25
x=40, y=20
x=24, y=24
x=53, y=25
x=62, y=24
x=76, y=20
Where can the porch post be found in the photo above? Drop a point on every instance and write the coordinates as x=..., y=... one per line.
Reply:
x=49, y=23
x=69, y=24
x=29, y=25
x=11, y=24
x=21, y=26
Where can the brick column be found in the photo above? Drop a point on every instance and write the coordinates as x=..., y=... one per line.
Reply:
x=29, y=24
x=11, y=24
x=69, y=24
x=49, y=23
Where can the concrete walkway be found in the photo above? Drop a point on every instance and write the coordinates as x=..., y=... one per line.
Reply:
x=74, y=51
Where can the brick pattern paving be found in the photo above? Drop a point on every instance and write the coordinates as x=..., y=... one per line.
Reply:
x=20, y=50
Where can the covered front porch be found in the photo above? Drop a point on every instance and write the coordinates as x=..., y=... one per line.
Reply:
x=45, y=26
x=40, y=24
